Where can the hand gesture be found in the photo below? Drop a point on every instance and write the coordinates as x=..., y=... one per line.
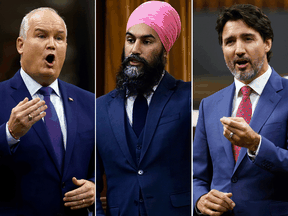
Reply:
x=239, y=133
x=215, y=203
x=81, y=197
x=24, y=115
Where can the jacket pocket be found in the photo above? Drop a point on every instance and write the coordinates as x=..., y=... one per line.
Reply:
x=167, y=119
x=181, y=199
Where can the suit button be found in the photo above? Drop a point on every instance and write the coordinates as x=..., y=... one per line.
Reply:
x=63, y=184
x=234, y=179
x=141, y=200
x=139, y=147
x=140, y=172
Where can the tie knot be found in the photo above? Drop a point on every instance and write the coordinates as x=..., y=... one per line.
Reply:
x=46, y=91
x=246, y=90
x=141, y=97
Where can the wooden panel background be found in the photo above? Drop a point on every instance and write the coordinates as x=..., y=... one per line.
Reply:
x=199, y=5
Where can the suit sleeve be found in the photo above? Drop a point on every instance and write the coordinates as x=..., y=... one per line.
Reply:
x=4, y=147
x=202, y=166
x=99, y=184
x=271, y=157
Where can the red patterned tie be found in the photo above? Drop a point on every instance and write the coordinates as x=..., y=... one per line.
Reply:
x=244, y=111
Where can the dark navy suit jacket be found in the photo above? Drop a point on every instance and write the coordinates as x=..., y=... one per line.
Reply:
x=30, y=178
x=165, y=156
x=259, y=187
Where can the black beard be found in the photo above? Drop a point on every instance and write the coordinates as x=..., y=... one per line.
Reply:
x=135, y=81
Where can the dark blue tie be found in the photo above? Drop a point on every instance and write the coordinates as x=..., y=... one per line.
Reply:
x=140, y=109
x=53, y=126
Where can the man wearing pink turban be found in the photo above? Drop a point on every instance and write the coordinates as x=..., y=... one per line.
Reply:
x=143, y=127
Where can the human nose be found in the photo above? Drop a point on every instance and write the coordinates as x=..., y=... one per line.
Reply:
x=136, y=49
x=240, y=48
x=51, y=43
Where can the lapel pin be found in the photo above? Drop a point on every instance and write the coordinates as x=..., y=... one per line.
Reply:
x=70, y=99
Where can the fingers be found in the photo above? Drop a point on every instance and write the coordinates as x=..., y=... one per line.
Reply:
x=38, y=114
x=79, y=201
x=80, y=190
x=229, y=195
x=33, y=108
x=78, y=182
x=24, y=115
x=231, y=137
x=234, y=122
x=215, y=203
x=222, y=199
x=81, y=197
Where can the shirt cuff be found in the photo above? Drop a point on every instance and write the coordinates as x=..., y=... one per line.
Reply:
x=253, y=154
x=11, y=141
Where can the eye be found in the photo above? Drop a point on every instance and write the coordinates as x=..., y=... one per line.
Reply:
x=229, y=42
x=59, y=38
x=41, y=36
x=130, y=40
x=147, y=42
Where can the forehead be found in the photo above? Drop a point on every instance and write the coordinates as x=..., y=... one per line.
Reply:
x=47, y=19
x=237, y=28
x=142, y=29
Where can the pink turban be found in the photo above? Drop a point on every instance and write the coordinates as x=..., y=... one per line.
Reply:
x=160, y=16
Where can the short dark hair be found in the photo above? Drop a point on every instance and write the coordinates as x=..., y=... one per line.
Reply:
x=249, y=14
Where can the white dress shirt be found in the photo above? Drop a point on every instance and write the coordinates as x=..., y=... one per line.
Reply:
x=257, y=87
x=55, y=98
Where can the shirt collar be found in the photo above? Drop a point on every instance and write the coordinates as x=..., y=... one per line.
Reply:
x=33, y=86
x=256, y=85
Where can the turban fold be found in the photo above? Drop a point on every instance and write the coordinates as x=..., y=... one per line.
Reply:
x=160, y=16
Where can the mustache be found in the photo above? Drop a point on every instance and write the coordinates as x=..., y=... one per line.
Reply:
x=134, y=57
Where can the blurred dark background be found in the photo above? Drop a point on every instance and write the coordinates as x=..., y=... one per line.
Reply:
x=79, y=16
x=210, y=73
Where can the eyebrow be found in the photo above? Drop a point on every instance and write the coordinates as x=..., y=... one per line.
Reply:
x=143, y=36
x=242, y=35
x=42, y=30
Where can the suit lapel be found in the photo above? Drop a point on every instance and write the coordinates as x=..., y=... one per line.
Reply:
x=225, y=109
x=116, y=113
x=70, y=110
x=39, y=127
x=157, y=104
x=266, y=104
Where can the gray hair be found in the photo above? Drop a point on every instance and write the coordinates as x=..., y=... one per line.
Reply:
x=24, y=27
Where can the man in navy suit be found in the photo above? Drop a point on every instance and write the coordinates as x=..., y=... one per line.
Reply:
x=47, y=141
x=143, y=127
x=240, y=147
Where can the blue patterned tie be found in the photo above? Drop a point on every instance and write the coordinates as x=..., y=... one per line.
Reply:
x=140, y=109
x=53, y=126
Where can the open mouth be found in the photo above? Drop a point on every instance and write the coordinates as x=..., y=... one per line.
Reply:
x=50, y=59
x=133, y=61
x=241, y=62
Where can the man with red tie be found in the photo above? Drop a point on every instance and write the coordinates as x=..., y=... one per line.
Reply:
x=240, y=148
